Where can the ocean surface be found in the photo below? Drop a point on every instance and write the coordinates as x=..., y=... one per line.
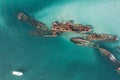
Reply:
x=57, y=58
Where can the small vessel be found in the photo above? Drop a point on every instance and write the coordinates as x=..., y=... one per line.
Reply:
x=100, y=37
x=44, y=33
x=17, y=73
x=69, y=26
x=109, y=55
x=82, y=42
x=29, y=20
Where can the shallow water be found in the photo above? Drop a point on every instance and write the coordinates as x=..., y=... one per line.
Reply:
x=56, y=58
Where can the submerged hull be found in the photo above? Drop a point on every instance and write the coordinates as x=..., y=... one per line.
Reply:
x=44, y=33
x=103, y=37
x=82, y=42
x=99, y=37
x=29, y=20
x=109, y=55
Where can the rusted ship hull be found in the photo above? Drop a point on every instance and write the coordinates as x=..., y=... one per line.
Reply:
x=99, y=37
x=82, y=42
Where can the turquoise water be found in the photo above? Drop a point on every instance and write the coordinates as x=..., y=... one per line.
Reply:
x=56, y=58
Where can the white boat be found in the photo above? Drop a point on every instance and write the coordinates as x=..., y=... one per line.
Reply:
x=17, y=73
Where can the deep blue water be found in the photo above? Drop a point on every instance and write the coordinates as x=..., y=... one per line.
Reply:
x=56, y=58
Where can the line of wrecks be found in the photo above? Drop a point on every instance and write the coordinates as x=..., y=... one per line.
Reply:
x=88, y=38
